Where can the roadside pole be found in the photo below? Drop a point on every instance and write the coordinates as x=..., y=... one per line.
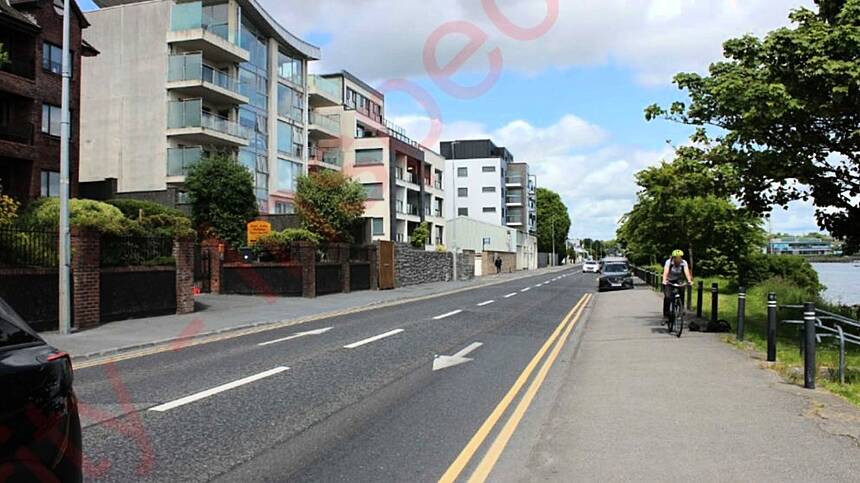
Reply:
x=65, y=312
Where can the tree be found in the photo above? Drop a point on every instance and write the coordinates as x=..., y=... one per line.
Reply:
x=553, y=221
x=420, y=235
x=330, y=204
x=786, y=113
x=685, y=204
x=222, y=198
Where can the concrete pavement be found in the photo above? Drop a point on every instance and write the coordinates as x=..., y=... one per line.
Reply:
x=217, y=314
x=635, y=404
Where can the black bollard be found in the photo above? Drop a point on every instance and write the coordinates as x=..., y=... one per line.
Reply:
x=689, y=296
x=699, y=300
x=715, y=300
x=742, y=306
x=771, y=327
x=809, y=355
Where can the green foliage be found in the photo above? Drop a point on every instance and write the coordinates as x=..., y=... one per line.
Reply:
x=95, y=215
x=4, y=56
x=795, y=270
x=420, y=235
x=152, y=219
x=330, y=204
x=277, y=244
x=552, y=219
x=785, y=111
x=685, y=204
x=132, y=208
x=222, y=198
x=8, y=209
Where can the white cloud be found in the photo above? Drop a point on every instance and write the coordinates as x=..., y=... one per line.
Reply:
x=379, y=39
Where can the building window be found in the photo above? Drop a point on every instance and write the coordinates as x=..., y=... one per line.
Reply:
x=50, y=184
x=489, y=209
x=462, y=172
x=462, y=212
x=291, y=103
x=489, y=189
x=51, y=120
x=290, y=68
x=462, y=192
x=290, y=139
x=374, y=191
x=377, y=226
x=288, y=175
x=488, y=169
x=284, y=208
x=52, y=59
x=368, y=156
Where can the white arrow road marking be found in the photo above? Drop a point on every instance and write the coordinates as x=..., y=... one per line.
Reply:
x=453, y=312
x=215, y=390
x=488, y=302
x=510, y=295
x=443, y=362
x=296, y=336
x=526, y=289
x=372, y=339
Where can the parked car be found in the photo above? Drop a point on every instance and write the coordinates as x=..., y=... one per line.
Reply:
x=40, y=430
x=614, y=276
x=590, y=266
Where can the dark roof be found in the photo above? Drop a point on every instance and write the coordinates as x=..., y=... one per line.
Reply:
x=9, y=11
x=18, y=4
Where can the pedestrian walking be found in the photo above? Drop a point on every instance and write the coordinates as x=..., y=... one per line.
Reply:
x=498, y=265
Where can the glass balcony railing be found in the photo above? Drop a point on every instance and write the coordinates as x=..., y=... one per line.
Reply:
x=326, y=86
x=190, y=67
x=193, y=15
x=514, y=220
x=190, y=113
x=180, y=160
x=514, y=200
x=515, y=179
x=328, y=156
x=329, y=123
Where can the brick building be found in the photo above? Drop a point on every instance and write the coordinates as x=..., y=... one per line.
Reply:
x=31, y=32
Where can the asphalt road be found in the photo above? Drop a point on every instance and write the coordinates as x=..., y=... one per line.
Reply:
x=352, y=397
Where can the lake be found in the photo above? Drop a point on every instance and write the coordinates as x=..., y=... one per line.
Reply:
x=842, y=281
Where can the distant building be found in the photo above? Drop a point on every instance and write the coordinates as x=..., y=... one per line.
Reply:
x=800, y=246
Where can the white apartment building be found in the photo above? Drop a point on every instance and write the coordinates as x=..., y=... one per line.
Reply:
x=182, y=79
x=403, y=179
x=487, y=185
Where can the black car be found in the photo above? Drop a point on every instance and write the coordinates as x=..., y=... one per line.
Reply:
x=614, y=276
x=40, y=431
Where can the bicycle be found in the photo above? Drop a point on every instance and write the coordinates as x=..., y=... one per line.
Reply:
x=677, y=312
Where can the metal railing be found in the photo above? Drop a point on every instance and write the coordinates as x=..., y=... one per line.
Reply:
x=28, y=248
x=399, y=133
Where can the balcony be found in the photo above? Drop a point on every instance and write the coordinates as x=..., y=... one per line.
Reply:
x=515, y=200
x=189, y=76
x=515, y=181
x=327, y=158
x=406, y=178
x=188, y=122
x=180, y=160
x=323, y=126
x=407, y=209
x=324, y=92
x=20, y=132
x=514, y=220
x=193, y=30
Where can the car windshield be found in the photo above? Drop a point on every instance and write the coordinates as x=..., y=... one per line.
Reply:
x=615, y=268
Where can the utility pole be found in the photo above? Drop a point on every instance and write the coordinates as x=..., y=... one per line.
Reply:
x=65, y=315
x=454, y=200
x=553, y=241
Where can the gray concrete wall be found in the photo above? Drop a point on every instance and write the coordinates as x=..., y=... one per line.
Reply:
x=124, y=97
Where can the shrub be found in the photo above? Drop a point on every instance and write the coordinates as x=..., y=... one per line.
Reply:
x=277, y=244
x=132, y=208
x=8, y=209
x=796, y=270
x=95, y=215
x=420, y=235
x=330, y=204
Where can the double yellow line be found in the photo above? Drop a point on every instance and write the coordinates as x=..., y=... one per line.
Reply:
x=482, y=471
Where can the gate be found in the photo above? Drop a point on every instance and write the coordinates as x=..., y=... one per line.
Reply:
x=202, y=267
x=386, y=265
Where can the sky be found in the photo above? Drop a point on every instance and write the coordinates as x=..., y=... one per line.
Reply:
x=561, y=83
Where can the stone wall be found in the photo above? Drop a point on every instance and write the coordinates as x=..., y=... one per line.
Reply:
x=488, y=260
x=413, y=266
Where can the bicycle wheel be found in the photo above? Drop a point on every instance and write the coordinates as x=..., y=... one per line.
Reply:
x=679, y=317
x=671, y=322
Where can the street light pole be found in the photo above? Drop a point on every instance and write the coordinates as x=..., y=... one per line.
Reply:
x=65, y=312
x=454, y=200
x=553, y=241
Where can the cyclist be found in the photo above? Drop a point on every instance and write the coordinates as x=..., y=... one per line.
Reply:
x=674, y=271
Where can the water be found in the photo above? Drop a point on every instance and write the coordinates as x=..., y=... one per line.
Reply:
x=842, y=281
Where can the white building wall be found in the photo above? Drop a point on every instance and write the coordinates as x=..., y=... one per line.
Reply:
x=123, y=97
x=475, y=181
x=470, y=234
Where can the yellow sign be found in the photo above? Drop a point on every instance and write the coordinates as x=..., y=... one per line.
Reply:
x=256, y=229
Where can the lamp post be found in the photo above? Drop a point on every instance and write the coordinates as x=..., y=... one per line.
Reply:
x=454, y=196
x=65, y=311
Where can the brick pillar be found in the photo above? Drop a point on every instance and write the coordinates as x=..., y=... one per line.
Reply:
x=307, y=256
x=86, y=273
x=373, y=256
x=183, y=254
x=346, y=275
x=212, y=247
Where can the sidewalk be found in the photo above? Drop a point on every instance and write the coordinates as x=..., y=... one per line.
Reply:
x=637, y=404
x=225, y=313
